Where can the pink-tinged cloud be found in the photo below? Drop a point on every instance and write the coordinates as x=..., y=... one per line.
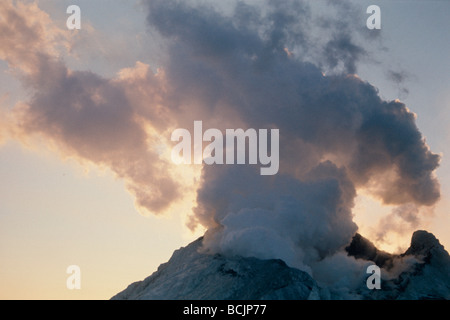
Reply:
x=103, y=121
x=27, y=35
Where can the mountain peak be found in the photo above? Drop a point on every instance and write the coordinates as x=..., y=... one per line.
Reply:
x=191, y=274
x=423, y=243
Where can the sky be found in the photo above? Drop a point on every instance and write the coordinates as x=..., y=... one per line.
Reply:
x=86, y=115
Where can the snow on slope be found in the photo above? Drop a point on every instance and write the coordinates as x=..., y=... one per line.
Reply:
x=193, y=275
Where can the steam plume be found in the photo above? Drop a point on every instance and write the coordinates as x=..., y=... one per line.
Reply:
x=254, y=68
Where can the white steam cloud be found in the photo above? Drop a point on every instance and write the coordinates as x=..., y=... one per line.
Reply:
x=257, y=67
x=336, y=133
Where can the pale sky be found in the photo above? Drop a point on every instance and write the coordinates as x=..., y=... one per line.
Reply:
x=56, y=211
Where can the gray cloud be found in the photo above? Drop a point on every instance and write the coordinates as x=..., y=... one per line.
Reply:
x=341, y=49
x=336, y=133
x=340, y=115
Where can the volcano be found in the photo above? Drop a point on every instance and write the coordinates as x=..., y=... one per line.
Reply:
x=421, y=272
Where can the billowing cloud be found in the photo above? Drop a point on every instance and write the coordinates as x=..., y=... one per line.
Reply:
x=258, y=67
x=337, y=134
x=86, y=116
x=298, y=221
x=339, y=117
x=94, y=119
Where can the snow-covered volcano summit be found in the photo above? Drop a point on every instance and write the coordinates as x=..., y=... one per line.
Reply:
x=193, y=275
x=422, y=272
